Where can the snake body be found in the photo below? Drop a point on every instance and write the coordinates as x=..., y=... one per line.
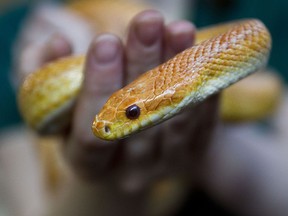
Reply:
x=223, y=54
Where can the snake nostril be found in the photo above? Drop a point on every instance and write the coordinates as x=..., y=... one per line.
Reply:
x=107, y=129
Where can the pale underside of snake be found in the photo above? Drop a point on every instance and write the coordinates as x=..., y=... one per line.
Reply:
x=223, y=55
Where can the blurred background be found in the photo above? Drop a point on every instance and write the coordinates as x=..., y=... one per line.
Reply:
x=202, y=12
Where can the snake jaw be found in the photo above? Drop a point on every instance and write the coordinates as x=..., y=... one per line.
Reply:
x=110, y=131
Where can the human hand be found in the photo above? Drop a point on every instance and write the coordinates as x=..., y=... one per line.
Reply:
x=164, y=150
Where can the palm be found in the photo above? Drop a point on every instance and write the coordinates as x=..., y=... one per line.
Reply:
x=165, y=149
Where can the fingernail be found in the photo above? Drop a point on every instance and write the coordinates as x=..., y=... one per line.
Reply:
x=106, y=48
x=60, y=44
x=182, y=35
x=56, y=42
x=57, y=47
x=148, y=28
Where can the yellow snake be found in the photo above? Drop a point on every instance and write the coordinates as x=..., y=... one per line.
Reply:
x=223, y=55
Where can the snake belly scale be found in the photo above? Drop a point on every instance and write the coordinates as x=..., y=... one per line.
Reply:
x=223, y=54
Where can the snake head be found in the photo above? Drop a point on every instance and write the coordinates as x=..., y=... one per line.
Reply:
x=122, y=125
x=121, y=116
x=130, y=110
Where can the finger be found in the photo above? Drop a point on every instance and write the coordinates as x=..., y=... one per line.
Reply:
x=179, y=35
x=37, y=54
x=103, y=75
x=58, y=46
x=143, y=51
x=29, y=60
x=206, y=119
x=192, y=131
x=144, y=43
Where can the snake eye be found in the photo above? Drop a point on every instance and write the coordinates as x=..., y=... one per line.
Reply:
x=133, y=112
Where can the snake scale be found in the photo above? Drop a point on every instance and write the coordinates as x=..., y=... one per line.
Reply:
x=223, y=54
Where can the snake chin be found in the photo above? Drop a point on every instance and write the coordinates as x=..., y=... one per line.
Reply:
x=111, y=131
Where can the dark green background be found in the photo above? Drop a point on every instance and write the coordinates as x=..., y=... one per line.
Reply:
x=10, y=22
